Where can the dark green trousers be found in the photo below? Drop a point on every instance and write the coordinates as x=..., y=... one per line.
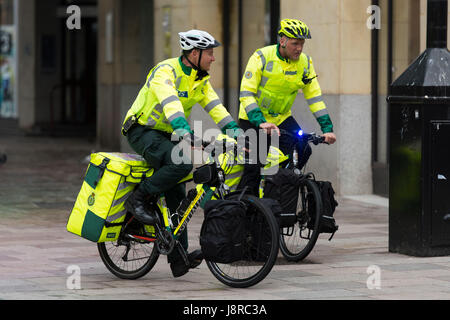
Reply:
x=158, y=150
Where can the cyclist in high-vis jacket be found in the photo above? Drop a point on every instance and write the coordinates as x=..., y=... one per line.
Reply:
x=160, y=111
x=270, y=84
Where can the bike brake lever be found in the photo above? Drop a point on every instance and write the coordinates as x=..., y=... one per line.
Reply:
x=316, y=139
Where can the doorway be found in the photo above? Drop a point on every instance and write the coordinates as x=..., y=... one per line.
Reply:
x=77, y=87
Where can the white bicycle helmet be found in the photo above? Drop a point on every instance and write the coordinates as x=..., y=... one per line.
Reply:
x=197, y=39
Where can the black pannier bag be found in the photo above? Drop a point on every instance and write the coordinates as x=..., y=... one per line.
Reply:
x=283, y=187
x=284, y=219
x=329, y=204
x=259, y=242
x=327, y=223
x=223, y=231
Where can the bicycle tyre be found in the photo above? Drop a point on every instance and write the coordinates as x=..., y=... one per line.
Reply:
x=298, y=244
x=112, y=256
x=231, y=274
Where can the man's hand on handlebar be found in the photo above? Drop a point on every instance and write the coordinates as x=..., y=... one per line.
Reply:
x=269, y=128
x=330, y=137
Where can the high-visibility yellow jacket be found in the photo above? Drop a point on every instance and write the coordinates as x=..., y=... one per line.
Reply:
x=165, y=101
x=270, y=86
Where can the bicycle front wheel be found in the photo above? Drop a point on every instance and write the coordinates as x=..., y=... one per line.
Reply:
x=261, y=247
x=298, y=241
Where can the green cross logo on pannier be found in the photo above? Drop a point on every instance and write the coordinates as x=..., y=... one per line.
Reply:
x=91, y=199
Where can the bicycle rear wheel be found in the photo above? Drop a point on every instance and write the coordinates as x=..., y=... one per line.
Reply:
x=298, y=241
x=133, y=255
x=261, y=248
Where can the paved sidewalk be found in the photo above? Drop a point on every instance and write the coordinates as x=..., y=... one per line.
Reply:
x=39, y=183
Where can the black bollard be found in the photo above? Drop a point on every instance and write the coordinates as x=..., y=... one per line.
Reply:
x=419, y=167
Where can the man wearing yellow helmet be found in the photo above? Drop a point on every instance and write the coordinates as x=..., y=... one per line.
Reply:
x=271, y=81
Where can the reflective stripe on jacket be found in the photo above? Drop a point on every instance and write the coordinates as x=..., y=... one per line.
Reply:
x=170, y=91
x=270, y=85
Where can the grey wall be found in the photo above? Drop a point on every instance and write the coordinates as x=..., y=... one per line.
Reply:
x=355, y=171
x=128, y=94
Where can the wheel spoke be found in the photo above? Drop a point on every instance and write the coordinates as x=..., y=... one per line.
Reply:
x=297, y=245
x=128, y=258
x=260, y=252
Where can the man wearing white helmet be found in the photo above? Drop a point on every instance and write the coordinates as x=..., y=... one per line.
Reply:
x=204, y=43
x=161, y=109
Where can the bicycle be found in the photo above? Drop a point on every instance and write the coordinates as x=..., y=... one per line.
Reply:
x=139, y=246
x=297, y=241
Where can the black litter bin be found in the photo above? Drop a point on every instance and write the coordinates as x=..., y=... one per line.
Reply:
x=419, y=167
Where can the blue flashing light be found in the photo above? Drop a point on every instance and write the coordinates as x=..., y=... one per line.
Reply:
x=300, y=133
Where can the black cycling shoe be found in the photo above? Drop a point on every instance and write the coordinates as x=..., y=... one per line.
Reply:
x=195, y=258
x=135, y=204
x=179, y=268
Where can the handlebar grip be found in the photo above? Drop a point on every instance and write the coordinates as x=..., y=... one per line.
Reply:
x=312, y=137
x=318, y=139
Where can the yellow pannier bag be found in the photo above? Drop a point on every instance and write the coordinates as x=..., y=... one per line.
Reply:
x=110, y=178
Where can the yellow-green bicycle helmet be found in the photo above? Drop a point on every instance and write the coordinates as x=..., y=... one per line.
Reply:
x=293, y=28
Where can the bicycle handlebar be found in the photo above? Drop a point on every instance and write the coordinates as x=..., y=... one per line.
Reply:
x=210, y=146
x=310, y=137
x=195, y=141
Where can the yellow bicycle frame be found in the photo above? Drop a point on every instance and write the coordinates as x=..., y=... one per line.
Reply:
x=202, y=190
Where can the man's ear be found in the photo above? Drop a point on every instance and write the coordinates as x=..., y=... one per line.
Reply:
x=283, y=41
x=194, y=53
